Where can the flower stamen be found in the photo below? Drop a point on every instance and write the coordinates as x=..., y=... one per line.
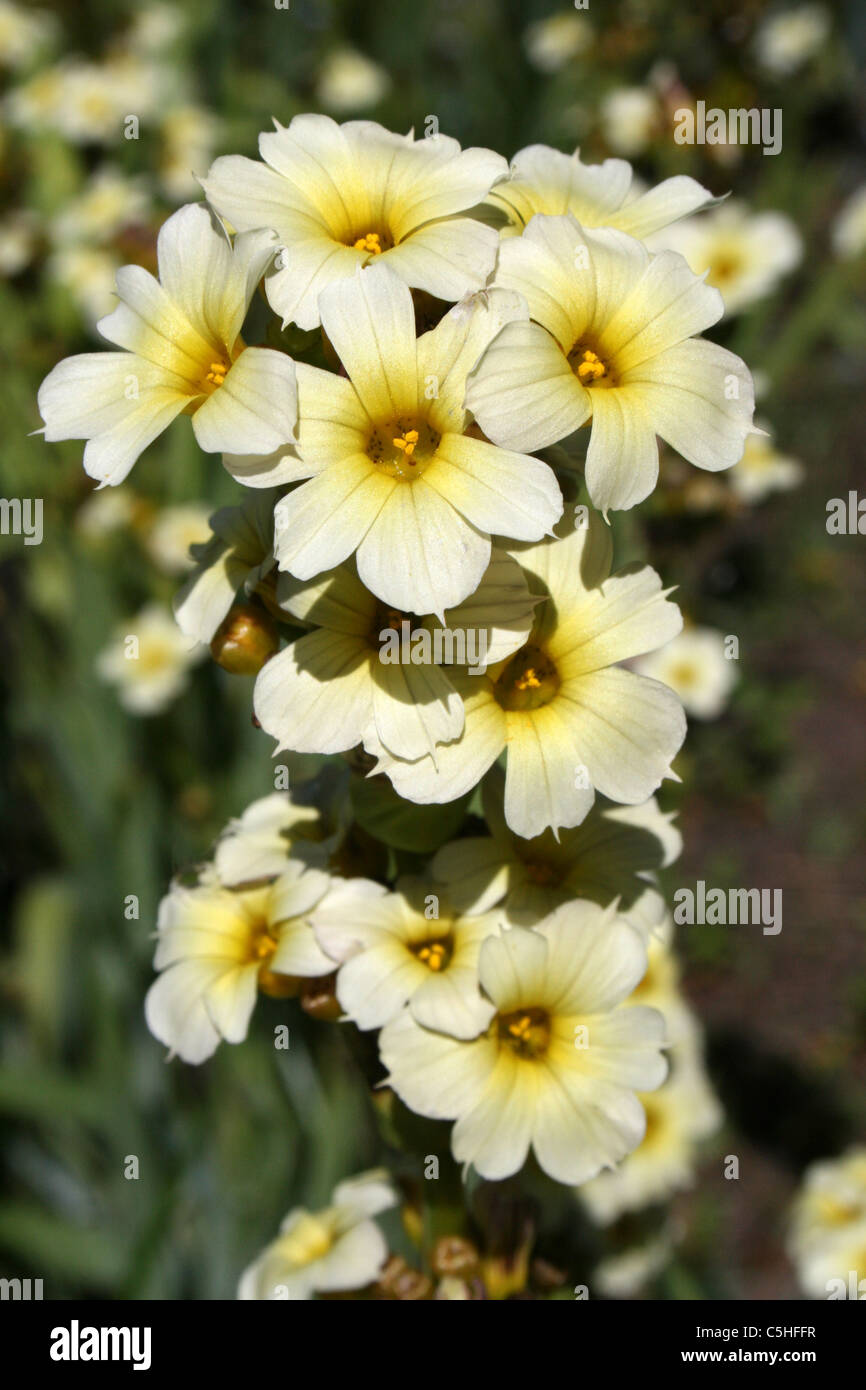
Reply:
x=590, y=368
x=434, y=956
x=525, y=1031
x=217, y=373
x=370, y=242
x=406, y=443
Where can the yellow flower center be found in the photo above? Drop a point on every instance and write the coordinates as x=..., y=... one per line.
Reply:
x=217, y=373
x=406, y=443
x=529, y=681
x=590, y=367
x=371, y=242
x=434, y=954
x=403, y=448
x=726, y=266
x=309, y=1240
x=262, y=945
x=154, y=657
x=683, y=675
x=525, y=1031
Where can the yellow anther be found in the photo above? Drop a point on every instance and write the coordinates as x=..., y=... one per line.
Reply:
x=433, y=956
x=521, y=1027
x=406, y=443
x=217, y=373
x=528, y=681
x=263, y=944
x=370, y=242
x=591, y=367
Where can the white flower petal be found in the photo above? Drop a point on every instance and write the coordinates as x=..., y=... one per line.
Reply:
x=254, y=411
x=419, y=554
x=523, y=393
x=628, y=730
x=700, y=399
x=370, y=321
x=505, y=493
x=315, y=696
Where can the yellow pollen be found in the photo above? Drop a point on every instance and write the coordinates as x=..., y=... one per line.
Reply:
x=264, y=946
x=217, y=373
x=433, y=956
x=521, y=1027
x=406, y=443
x=591, y=367
x=528, y=681
x=526, y=1032
x=369, y=242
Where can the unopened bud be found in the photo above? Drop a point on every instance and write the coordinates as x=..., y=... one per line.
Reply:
x=319, y=999
x=454, y=1255
x=400, y=1281
x=244, y=640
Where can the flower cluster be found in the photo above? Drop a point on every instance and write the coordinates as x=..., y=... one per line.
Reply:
x=421, y=582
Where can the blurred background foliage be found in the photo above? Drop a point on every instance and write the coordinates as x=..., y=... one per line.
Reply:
x=100, y=805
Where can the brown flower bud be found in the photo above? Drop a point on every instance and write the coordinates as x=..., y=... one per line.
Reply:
x=245, y=639
x=400, y=1281
x=319, y=998
x=454, y=1255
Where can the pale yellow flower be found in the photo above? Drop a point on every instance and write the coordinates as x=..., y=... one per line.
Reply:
x=611, y=342
x=190, y=134
x=23, y=31
x=88, y=274
x=349, y=81
x=557, y=1067
x=19, y=234
x=217, y=948
x=334, y=1250
x=342, y=196
x=763, y=470
x=679, y=1116
x=572, y=721
x=551, y=43
x=407, y=949
x=173, y=531
x=612, y=854
x=695, y=665
x=787, y=40
x=110, y=201
x=629, y=118
x=183, y=354
x=849, y=229
x=257, y=844
x=545, y=180
x=743, y=254
x=331, y=689
x=148, y=660
x=395, y=474
x=827, y=1241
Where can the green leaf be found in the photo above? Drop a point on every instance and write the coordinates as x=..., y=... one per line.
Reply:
x=400, y=824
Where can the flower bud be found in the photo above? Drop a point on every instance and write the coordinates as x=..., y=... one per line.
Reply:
x=400, y=1281
x=453, y=1255
x=319, y=999
x=244, y=640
